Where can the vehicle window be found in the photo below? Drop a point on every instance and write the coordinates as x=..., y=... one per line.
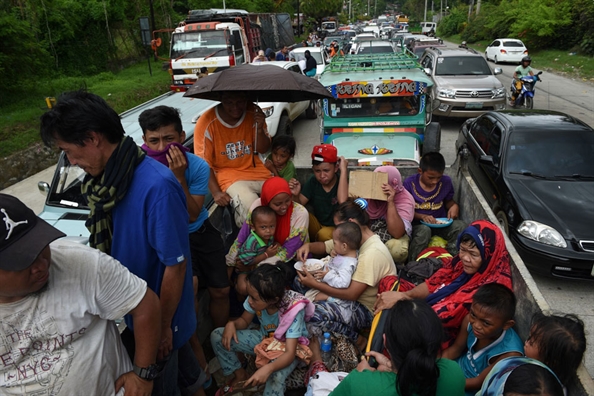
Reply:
x=356, y=107
x=552, y=153
x=317, y=56
x=480, y=131
x=496, y=43
x=494, y=147
x=377, y=49
x=517, y=44
x=427, y=62
x=65, y=191
x=295, y=69
x=462, y=66
x=199, y=44
x=238, y=48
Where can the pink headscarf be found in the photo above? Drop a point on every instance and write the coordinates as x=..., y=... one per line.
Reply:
x=403, y=200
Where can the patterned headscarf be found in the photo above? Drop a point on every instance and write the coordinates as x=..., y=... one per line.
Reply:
x=403, y=200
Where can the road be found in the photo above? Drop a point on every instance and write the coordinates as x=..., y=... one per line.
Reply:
x=554, y=93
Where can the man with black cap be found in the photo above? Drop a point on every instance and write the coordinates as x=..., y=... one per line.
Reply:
x=58, y=303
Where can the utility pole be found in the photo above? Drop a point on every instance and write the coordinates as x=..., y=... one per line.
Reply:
x=368, y=7
x=425, y=14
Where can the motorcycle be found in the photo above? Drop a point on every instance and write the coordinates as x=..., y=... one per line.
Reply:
x=525, y=98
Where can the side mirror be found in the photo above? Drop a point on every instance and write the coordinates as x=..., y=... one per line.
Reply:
x=497, y=70
x=486, y=160
x=427, y=71
x=43, y=188
x=435, y=103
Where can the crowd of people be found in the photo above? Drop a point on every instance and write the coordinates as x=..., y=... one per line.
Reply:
x=152, y=247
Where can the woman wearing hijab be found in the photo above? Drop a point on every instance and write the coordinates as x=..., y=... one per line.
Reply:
x=482, y=259
x=292, y=222
x=392, y=219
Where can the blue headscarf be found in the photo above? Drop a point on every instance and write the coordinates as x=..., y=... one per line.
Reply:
x=494, y=383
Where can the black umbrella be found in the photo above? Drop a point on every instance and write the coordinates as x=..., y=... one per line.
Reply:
x=262, y=83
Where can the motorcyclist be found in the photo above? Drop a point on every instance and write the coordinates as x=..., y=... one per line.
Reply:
x=463, y=45
x=523, y=70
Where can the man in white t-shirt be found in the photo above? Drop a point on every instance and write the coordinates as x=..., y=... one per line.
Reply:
x=58, y=303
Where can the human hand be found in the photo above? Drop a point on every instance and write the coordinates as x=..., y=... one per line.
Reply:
x=302, y=253
x=387, y=300
x=272, y=250
x=295, y=187
x=166, y=345
x=134, y=385
x=240, y=267
x=221, y=198
x=333, y=253
x=259, y=118
x=177, y=163
x=229, y=333
x=342, y=164
x=319, y=275
x=260, y=377
x=429, y=219
x=270, y=166
x=453, y=211
x=364, y=365
x=383, y=363
x=306, y=278
x=389, y=191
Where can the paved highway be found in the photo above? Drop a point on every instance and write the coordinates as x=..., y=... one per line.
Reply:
x=554, y=93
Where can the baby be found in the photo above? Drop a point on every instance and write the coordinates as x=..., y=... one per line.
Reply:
x=342, y=263
x=258, y=246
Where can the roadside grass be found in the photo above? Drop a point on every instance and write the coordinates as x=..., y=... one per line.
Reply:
x=20, y=112
x=557, y=61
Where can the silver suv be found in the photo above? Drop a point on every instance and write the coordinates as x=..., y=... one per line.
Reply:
x=463, y=82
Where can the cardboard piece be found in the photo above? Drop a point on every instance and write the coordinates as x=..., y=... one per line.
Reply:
x=367, y=184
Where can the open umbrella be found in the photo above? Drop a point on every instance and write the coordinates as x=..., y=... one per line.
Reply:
x=262, y=83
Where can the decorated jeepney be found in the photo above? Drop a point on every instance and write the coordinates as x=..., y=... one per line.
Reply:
x=380, y=112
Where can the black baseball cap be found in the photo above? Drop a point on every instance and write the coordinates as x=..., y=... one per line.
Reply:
x=23, y=235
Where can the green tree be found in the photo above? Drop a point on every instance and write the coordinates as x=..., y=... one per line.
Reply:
x=318, y=10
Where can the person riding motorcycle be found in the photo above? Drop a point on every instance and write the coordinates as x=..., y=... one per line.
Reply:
x=523, y=70
x=463, y=45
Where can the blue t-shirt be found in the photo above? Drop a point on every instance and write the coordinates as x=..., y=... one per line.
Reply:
x=473, y=363
x=269, y=323
x=197, y=175
x=280, y=56
x=150, y=232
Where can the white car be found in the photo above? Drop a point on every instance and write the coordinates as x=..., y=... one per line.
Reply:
x=372, y=47
x=506, y=50
x=319, y=54
x=280, y=115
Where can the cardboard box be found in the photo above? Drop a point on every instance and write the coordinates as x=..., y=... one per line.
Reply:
x=367, y=184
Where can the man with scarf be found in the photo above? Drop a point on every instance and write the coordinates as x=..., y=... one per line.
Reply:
x=138, y=214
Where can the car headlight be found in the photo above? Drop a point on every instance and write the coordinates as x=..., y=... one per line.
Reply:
x=499, y=92
x=447, y=93
x=541, y=233
x=268, y=111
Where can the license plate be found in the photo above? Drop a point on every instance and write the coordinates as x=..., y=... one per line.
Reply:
x=474, y=105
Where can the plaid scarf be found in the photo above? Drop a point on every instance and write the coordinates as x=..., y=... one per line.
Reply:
x=103, y=192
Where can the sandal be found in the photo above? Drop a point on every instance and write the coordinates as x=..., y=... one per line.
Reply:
x=229, y=390
x=315, y=367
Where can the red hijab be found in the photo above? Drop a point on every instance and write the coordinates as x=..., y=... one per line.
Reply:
x=270, y=189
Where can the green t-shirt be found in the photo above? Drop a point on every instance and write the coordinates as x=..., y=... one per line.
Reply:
x=324, y=203
x=288, y=172
x=451, y=382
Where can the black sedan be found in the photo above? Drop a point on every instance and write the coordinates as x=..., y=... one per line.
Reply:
x=536, y=170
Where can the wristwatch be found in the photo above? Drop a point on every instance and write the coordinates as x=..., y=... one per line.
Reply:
x=146, y=373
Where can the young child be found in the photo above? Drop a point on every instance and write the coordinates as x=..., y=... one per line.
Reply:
x=559, y=342
x=343, y=261
x=486, y=335
x=281, y=313
x=280, y=160
x=325, y=190
x=434, y=198
x=258, y=246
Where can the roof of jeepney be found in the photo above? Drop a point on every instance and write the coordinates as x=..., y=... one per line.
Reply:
x=367, y=67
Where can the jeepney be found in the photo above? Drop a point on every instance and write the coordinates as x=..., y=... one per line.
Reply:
x=381, y=109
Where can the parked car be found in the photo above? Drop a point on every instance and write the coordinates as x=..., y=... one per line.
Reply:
x=319, y=54
x=506, y=50
x=465, y=85
x=535, y=168
x=280, y=115
x=427, y=27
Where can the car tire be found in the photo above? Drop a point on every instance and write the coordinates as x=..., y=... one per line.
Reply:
x=432, y=141
x=495, y=59
x=502, y=219
x=284, y=126
x=486, y=56
x=528, y=102
x=311, y=112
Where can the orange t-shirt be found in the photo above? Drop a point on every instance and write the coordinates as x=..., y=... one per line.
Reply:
x=229, y=149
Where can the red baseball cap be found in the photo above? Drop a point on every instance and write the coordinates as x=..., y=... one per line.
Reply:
x=325, y=153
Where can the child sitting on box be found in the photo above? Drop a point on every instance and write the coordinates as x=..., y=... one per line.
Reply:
x=258, y=246
x=486, y=335
x=433, y=193
x=342, y=262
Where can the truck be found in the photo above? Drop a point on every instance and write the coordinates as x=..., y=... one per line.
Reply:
x=329, y=26
x=66, y=210
x=380, y=113
x=217, y=39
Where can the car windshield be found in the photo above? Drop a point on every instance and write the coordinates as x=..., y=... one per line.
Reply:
x=376, y=49
x=65, y=190
x=199, y=44
x=374, y=107
x=513, y=44
x=551, y=153
x=462, y=66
